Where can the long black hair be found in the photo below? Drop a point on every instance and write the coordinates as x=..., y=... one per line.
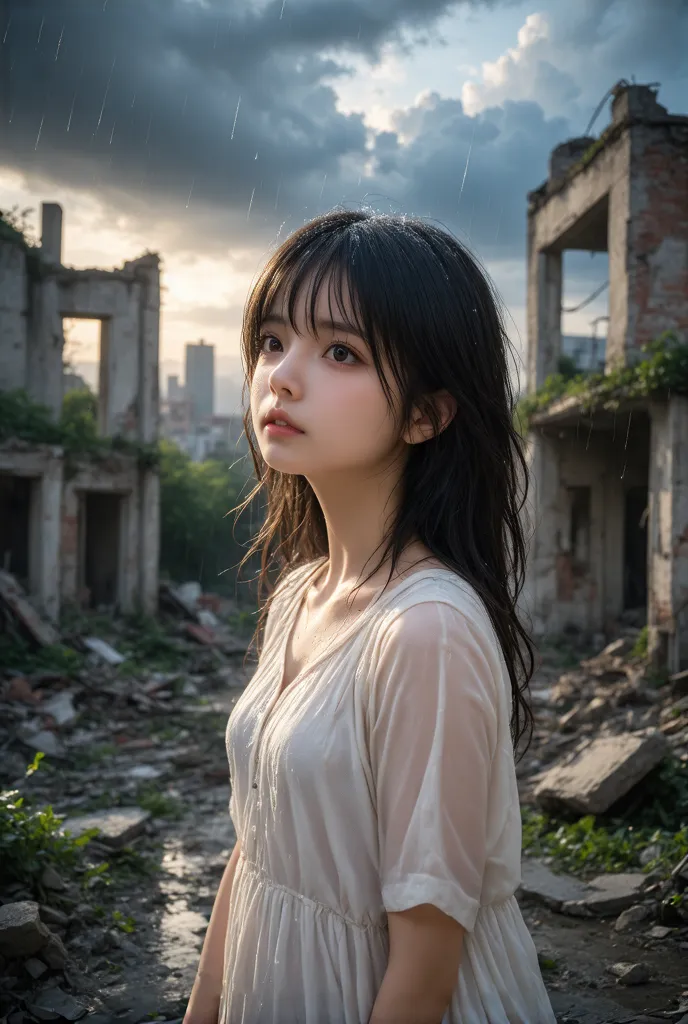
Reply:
x=425, y=306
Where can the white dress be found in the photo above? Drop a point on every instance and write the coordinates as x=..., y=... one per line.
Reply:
x=382, y=778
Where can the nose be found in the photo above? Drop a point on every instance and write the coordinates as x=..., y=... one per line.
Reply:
x=287, y=376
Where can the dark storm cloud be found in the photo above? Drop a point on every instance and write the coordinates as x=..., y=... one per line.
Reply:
x=220, y=118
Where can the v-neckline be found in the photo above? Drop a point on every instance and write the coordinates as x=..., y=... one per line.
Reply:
x=296, y=607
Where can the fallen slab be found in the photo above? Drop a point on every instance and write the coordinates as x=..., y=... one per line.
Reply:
x=116, y=828
x=541, y=884
x=608, y=895
x=600, y=772
x=14, y=598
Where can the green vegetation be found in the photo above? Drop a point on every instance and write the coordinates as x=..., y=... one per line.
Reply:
x=18, y=654
x=76, y=431
x=198, y=536
x=641, y=645
x=664, y=371
x=32, y=839
x=656, y=817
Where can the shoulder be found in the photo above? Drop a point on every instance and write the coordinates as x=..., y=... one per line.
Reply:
x=439, y=618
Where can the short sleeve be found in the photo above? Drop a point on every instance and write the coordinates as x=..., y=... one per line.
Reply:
x=433, y=736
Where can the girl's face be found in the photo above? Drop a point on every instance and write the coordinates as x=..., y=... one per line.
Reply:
x=326, y=385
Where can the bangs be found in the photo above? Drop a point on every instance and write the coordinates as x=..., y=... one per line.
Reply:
x=321, y=256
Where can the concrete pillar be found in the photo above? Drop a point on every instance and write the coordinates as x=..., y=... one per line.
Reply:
x=46, y=540
x=69, y=555
x=51, y=233
x=45, y=345
x=544, y=315
x=118, y=412
x=13, y=308
x=668, y=534
x=544, y=523
x=149, y=541
x=148, y=272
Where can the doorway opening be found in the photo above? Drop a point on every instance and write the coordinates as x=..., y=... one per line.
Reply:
x=635, y=548
x=101, y=539
x=15, y=525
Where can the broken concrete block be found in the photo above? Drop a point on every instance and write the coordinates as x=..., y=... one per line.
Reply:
x=608, y=895
x=660, y=931
x=54, y=1003
x=43, y=740
x=22, y=932
x=116, y=827
x=104, y=650
x=601, y=772
x=630, y=974
x=14, y=598
x=49, y=915
x=54, y=953
x=61, y=708
x=627, y=919
x=36, y=968
x=541, y=884
x=51, y=880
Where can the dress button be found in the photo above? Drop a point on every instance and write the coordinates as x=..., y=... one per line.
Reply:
x=255, y=785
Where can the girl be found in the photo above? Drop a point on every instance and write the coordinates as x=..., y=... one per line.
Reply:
x=372, y=754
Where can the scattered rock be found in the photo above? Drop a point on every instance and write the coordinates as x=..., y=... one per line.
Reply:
x=42, y=740
x=104, y=650
x=538, y=882
x=608, y=895
x=659, y=931
x=54, y=953
x=49, y=915
x=50, y=879
x=630, y=974
x=20, y=689
x=116, y=827
x=602, y=771
x=61, y=708
x=634, y=915
x=22, y=932
x=53, y=1003
x=36, y=968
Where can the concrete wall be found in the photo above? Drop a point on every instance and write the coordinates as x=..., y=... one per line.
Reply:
x=630, y=200
x=36, y=293
x=564, y=590
x=668, y=534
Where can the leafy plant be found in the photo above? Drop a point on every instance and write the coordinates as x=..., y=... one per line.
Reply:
x=640, y=647
x=32, y=839
x=586, y=848
x=664, y=370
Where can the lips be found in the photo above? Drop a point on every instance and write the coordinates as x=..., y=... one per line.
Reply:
x=280, y=417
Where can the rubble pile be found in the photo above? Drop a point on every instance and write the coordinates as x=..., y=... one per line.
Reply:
x=134, y=760
x=602, y=731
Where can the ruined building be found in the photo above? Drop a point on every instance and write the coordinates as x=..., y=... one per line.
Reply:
x=610, y=490
x=80, y=529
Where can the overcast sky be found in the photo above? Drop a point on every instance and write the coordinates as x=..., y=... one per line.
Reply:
x=208, y=129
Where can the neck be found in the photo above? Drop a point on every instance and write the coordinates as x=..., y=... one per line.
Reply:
x=359, y=513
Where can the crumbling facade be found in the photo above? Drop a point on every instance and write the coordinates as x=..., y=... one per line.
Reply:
x=80, y=530
x=610, y=489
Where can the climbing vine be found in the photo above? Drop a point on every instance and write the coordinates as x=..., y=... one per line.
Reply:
x=663, y=371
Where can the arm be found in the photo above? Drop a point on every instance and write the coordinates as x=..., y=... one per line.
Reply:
x=432, y=735
x=204, y=1003
x=424, y=953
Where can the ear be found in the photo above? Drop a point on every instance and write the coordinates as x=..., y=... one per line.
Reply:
x=421, y=428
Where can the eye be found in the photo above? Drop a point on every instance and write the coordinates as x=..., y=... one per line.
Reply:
x=340, y=353
x=266, y=343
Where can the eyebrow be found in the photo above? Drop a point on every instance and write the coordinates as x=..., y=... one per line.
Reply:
x=332, y=325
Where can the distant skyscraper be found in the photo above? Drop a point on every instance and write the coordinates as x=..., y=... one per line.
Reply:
x=175, y=392
x=199, y=387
